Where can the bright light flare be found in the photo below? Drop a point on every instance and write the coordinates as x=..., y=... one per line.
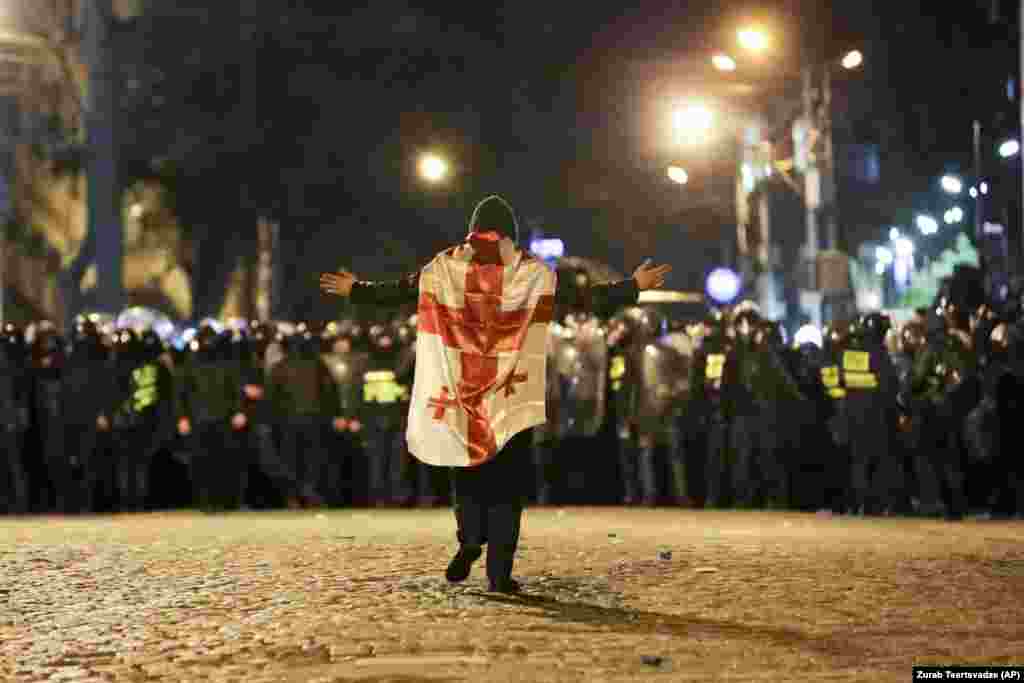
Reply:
x=951, y=184
x=1008, y=149
x=724, y=62
x=433, y=168
x=883, y=255
x=753, y=39
x=723, y=285
x=853, y=59
x=693, y=122
x=904, y=247
x=954, y=215
x=894, y=234
x=809, y=334
x=927, y=225
x=678, y=175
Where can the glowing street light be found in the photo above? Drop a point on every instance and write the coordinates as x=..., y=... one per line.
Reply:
x=724, y=62
x=926, y=224
x=973, y=192
x=954, y=215
x=853, y=59
x=951, y=184
x=1008, y=149
x=753, y=39
x=678, y=175
x=984, y=188
x=904, y=247
x=693, y=122
x=723, y=285
x=894, y=234
x=433, y=168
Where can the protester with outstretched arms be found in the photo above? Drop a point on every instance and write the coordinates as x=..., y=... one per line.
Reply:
x=483, y=310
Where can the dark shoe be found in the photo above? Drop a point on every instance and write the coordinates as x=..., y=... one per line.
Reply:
x=460, y=566
x=509, y=586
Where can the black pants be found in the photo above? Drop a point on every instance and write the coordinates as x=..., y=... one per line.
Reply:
x=134, y=451
x=217, y=473
x=13, y=482
x=304, y=452
x=72, y=467
x=489, y=503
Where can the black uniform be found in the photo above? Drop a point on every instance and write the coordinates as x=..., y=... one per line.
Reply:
x=209, y=394
x=304, y=399
x=870, y=411
x=944, y=389
x=14, y=418
x=707, y=410
x=143, y=416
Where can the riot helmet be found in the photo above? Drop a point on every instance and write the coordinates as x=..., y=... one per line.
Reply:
x=48, y=348
x=746, y=323
x=873, y=328
x=151, y=346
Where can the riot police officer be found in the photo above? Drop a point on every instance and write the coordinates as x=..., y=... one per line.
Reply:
x=260, y=443
x=209, y=399
x=143, y=416
x=870, y=411
x=755, y=382
x=347, y=364
x=304, y=398
x=385, y=407
x=86, y=423
x=707, y=408
x=576, y=383
x=943, y=389
x=14, y=419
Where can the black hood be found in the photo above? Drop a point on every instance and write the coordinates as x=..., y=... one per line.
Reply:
x=494, y=213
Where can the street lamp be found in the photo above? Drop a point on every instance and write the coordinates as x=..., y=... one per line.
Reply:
x=954, y=215
x=951, y=184
x=1009, y=148
x=433, y=168
x=724, y=62
x=852, y=59
x=926, y=224
x=693, y=122
x=753, y=39
x=678, y=175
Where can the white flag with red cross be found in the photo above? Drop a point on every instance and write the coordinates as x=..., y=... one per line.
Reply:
x=482, y=330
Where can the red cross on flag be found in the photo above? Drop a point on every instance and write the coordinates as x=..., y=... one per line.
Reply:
x=481, y=358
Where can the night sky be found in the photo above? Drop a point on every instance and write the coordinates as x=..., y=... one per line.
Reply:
x=523, y=94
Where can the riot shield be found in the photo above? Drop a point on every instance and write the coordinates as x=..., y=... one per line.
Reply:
x=662, y=371
x=578, y=363
x=348, y=370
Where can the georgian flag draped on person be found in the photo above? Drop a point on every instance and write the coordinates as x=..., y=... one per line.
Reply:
x=483, y=315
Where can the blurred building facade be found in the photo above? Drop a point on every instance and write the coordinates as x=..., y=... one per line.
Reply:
x=49, y=58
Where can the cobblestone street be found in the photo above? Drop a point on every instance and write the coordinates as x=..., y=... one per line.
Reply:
x=610, y=595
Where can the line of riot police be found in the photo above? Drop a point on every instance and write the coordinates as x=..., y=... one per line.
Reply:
x=719, y=412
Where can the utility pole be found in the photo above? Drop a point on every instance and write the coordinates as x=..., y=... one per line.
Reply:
x=978, y=219
x=104, y=195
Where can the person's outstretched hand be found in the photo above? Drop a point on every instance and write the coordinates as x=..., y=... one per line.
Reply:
x=649, y=276
x=339, y=284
